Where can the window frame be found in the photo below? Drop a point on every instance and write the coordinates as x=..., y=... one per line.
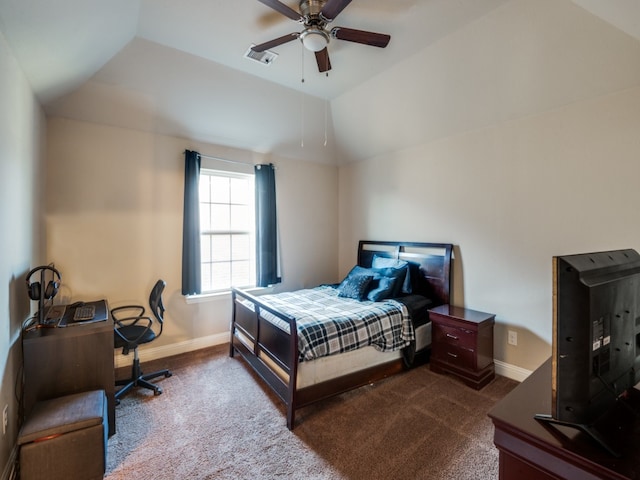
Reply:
x=208, y=234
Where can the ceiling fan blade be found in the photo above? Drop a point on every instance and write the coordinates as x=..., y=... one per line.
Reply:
x=360, y=36
x=283, y=9
x=322, y=58
x=275, y=42
x=333, y=8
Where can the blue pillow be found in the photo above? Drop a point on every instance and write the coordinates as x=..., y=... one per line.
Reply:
x=355, y=286
x=357, y=270
x=389, y=290
x=384, y=289
x=383, y=262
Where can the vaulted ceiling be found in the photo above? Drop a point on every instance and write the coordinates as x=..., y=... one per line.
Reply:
x=75, y=51
x=61, y=44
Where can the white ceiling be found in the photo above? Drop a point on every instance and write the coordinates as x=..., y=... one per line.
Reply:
x=80, y=46
x=63, y=43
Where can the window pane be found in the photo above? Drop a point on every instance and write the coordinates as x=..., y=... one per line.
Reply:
x=221, y=248
x=204, y=194
x=221, y=276
x=240, y=247
x=221, y=219
x=241, y=274
x=207, y=285
x=205, y=248
x=240, y=191
x=205, y=217
x=220, y=189
x=240, y=219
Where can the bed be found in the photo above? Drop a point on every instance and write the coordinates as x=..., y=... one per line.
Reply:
x=269, y=332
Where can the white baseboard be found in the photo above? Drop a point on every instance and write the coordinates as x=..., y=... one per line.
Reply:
x=511, y=371
x=155, y=353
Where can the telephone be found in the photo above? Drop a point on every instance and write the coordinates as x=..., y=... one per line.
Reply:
x=54, y=314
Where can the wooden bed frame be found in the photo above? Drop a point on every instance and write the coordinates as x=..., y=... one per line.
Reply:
x=430, y=265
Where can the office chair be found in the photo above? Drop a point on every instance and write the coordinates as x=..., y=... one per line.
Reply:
x=132, y=330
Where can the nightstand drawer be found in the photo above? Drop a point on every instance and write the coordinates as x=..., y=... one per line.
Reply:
x=444, y=334
x=456, y=355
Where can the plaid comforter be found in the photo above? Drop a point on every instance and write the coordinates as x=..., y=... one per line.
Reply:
x=328, y=324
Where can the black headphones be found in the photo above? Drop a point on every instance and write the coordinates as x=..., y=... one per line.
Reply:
x=35, y=289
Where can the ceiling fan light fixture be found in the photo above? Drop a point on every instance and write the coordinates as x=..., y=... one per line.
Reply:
x=315, y=15
x=314, y=39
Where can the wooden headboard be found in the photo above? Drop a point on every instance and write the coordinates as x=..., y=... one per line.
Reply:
x=429, y=263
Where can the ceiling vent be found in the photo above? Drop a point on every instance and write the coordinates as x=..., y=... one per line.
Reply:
x=266, y=58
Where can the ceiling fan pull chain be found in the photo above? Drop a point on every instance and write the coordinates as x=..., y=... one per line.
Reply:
x=326, y=115
x=302, y=64
x=302, y=99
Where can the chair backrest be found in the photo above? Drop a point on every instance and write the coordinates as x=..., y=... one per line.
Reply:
x=155, y=302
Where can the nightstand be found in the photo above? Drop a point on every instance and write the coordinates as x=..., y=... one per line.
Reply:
x=462, y=344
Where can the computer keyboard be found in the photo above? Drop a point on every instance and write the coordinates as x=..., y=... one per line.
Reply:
x=84, y=312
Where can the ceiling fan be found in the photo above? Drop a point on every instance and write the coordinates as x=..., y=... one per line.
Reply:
x=315, y=15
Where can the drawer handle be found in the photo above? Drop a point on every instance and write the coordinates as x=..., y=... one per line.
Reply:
x=452, y=355
x=452, y=336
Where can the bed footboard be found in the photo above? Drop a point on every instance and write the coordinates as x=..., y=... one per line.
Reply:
x=269, y=349
x=272, y=352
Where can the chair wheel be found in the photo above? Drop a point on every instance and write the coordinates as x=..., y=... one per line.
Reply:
x=157, y=391
x=168, y=374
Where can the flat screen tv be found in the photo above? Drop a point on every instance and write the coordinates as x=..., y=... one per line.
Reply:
x=596, y=336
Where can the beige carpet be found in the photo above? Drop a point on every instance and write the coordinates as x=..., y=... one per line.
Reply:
x=216, y=420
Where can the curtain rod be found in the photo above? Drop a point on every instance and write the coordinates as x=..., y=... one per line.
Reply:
x=230, y=161
x=225, y=160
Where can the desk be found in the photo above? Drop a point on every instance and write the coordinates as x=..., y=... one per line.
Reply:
x=532, y=450
x=73, y=359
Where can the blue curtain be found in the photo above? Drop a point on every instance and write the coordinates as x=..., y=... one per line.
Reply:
x=266, y=227
x=191, y=281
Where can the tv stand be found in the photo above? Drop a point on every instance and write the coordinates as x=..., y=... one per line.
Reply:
x=590, y=430
x=532, y=450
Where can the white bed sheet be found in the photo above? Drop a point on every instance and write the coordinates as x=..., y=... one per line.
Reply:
x=334, y=366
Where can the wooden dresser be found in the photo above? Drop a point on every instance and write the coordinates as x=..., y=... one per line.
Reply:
x=462, y=344
x=532, y=450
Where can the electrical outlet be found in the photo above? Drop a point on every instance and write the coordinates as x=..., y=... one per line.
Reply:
x=5, y=419
x=513, y=338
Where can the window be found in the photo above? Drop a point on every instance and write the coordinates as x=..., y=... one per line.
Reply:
x=227, y=228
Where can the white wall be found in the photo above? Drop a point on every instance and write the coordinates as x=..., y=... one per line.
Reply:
x=509, y=197
x=21, y=143
x=114, y=222
x=545, y=163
